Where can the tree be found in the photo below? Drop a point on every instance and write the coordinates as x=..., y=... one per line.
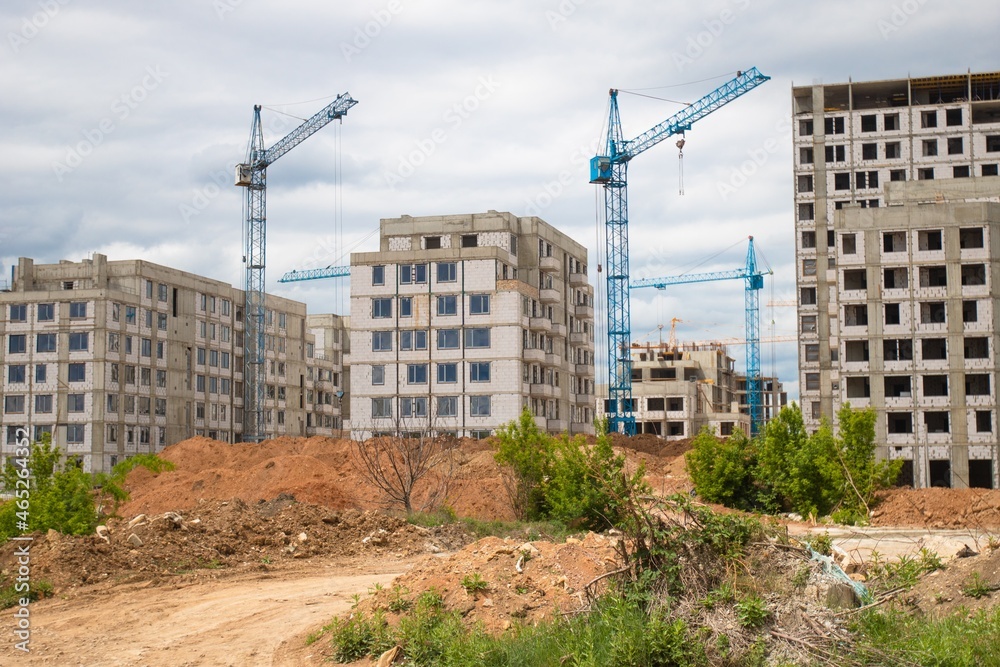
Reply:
x=864, y=474
x=722, y=471
x=412, y=455
x=524, y=453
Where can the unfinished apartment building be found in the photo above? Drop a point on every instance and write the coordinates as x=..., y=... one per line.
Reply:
x=679, y=389
x=461, y=321
x=895, y=202
x=124, y=357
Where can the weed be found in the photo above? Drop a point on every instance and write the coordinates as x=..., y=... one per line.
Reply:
x=265, y=560
x=975, y=586
x=439, y=517
x=721, y=595
x=752, y=611
x=801, y=577
x=905, y=572
x=398, y=603
x=821, y=544
x=37, y=590
x=360, y=635
x=474, y=583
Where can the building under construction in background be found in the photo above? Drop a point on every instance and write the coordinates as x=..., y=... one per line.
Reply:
x=897, y=225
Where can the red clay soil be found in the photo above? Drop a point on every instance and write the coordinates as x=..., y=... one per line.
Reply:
x=940, y=508
x=319, y=471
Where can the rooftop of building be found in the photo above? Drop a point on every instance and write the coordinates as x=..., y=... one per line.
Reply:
x=888, y=93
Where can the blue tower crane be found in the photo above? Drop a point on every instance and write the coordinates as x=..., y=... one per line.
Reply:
x=611, y=171
x=754, y=279
x=316, y=274
x=252, y=175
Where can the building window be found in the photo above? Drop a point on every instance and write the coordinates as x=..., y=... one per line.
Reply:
x=930, y=147
x=77, y=372
x=479, y=304
x=970, y=237
x=812, y=381
x=990, y=169
x=808, y=324
x=477, y=338
x=413, y=406
x=925, y=174
x=447, y=305
x=984, y=421
x=836, y=153
x=381, y=308
x=378, y=374
x=381, y=341
x=977, y=384
x=447, y=373
x=842, y=181
x=17, y=374
x=936, y=422
x=869, y=151
x=928, y=118
x=805, y=128
x=892, y=313
x=378, y=275
x=807, y=296
x=17, y=343
x=834, y=125
x=78, y=309
x=848, y=244
x=805, y=182
x=808, y=240
x=893, y=150
x=18, y=312
x=413, y=340
x=161, y=321
x=973, y=274
x=956, y=146
x=961, y=171
x=75, y=433
x=807, y=211
x=470, y=240
x=40, y=372
x=479, y=406
x=929, y=240
x=805, y=155
x=866, y=179
x=416, y=373
x=447, y=406
x=479, y=371
x=13, y=405
x=406, y=306
x=447, y=272
x=381, y=408
x=447, y=339
x=969, y=311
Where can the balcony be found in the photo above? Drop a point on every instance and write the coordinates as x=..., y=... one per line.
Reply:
x=546, y=390
x=584, y=369
x=540, y=324
x=549, y=264
x=557, y=425
x=548, y=296
x=584, y=312
x=583, y=399
x=578, y=338
x=578, y=279
x=533, y=355
x=558, y=330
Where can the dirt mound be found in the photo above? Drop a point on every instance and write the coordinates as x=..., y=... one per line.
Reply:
x=225, y=534
x=939, y=508
x=551, y=579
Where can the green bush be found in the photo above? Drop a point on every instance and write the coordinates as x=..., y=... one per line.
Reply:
x=722, y=470
x=525, y=452
x=62, y=498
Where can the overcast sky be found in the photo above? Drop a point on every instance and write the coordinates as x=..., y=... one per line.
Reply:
x=119, y=126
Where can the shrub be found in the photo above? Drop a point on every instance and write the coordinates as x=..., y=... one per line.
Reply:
x=722, y=470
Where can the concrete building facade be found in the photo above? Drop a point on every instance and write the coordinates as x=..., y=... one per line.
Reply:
x=895, y=190
x=124, y=357
x=679, y=389
x=460, y=321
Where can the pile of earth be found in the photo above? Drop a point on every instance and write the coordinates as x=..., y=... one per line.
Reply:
x=320, y=471
x=223, y=535
x=939, y=508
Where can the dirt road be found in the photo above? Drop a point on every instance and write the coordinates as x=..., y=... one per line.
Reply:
x=259, y=618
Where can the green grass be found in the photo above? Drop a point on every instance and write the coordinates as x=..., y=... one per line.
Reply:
x=37, y=590
x=960, y=640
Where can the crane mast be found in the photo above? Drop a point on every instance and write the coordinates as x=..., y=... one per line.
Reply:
x=611, y=171
x=252, y=174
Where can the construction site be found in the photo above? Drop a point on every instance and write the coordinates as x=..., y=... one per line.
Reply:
x=268, y=525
